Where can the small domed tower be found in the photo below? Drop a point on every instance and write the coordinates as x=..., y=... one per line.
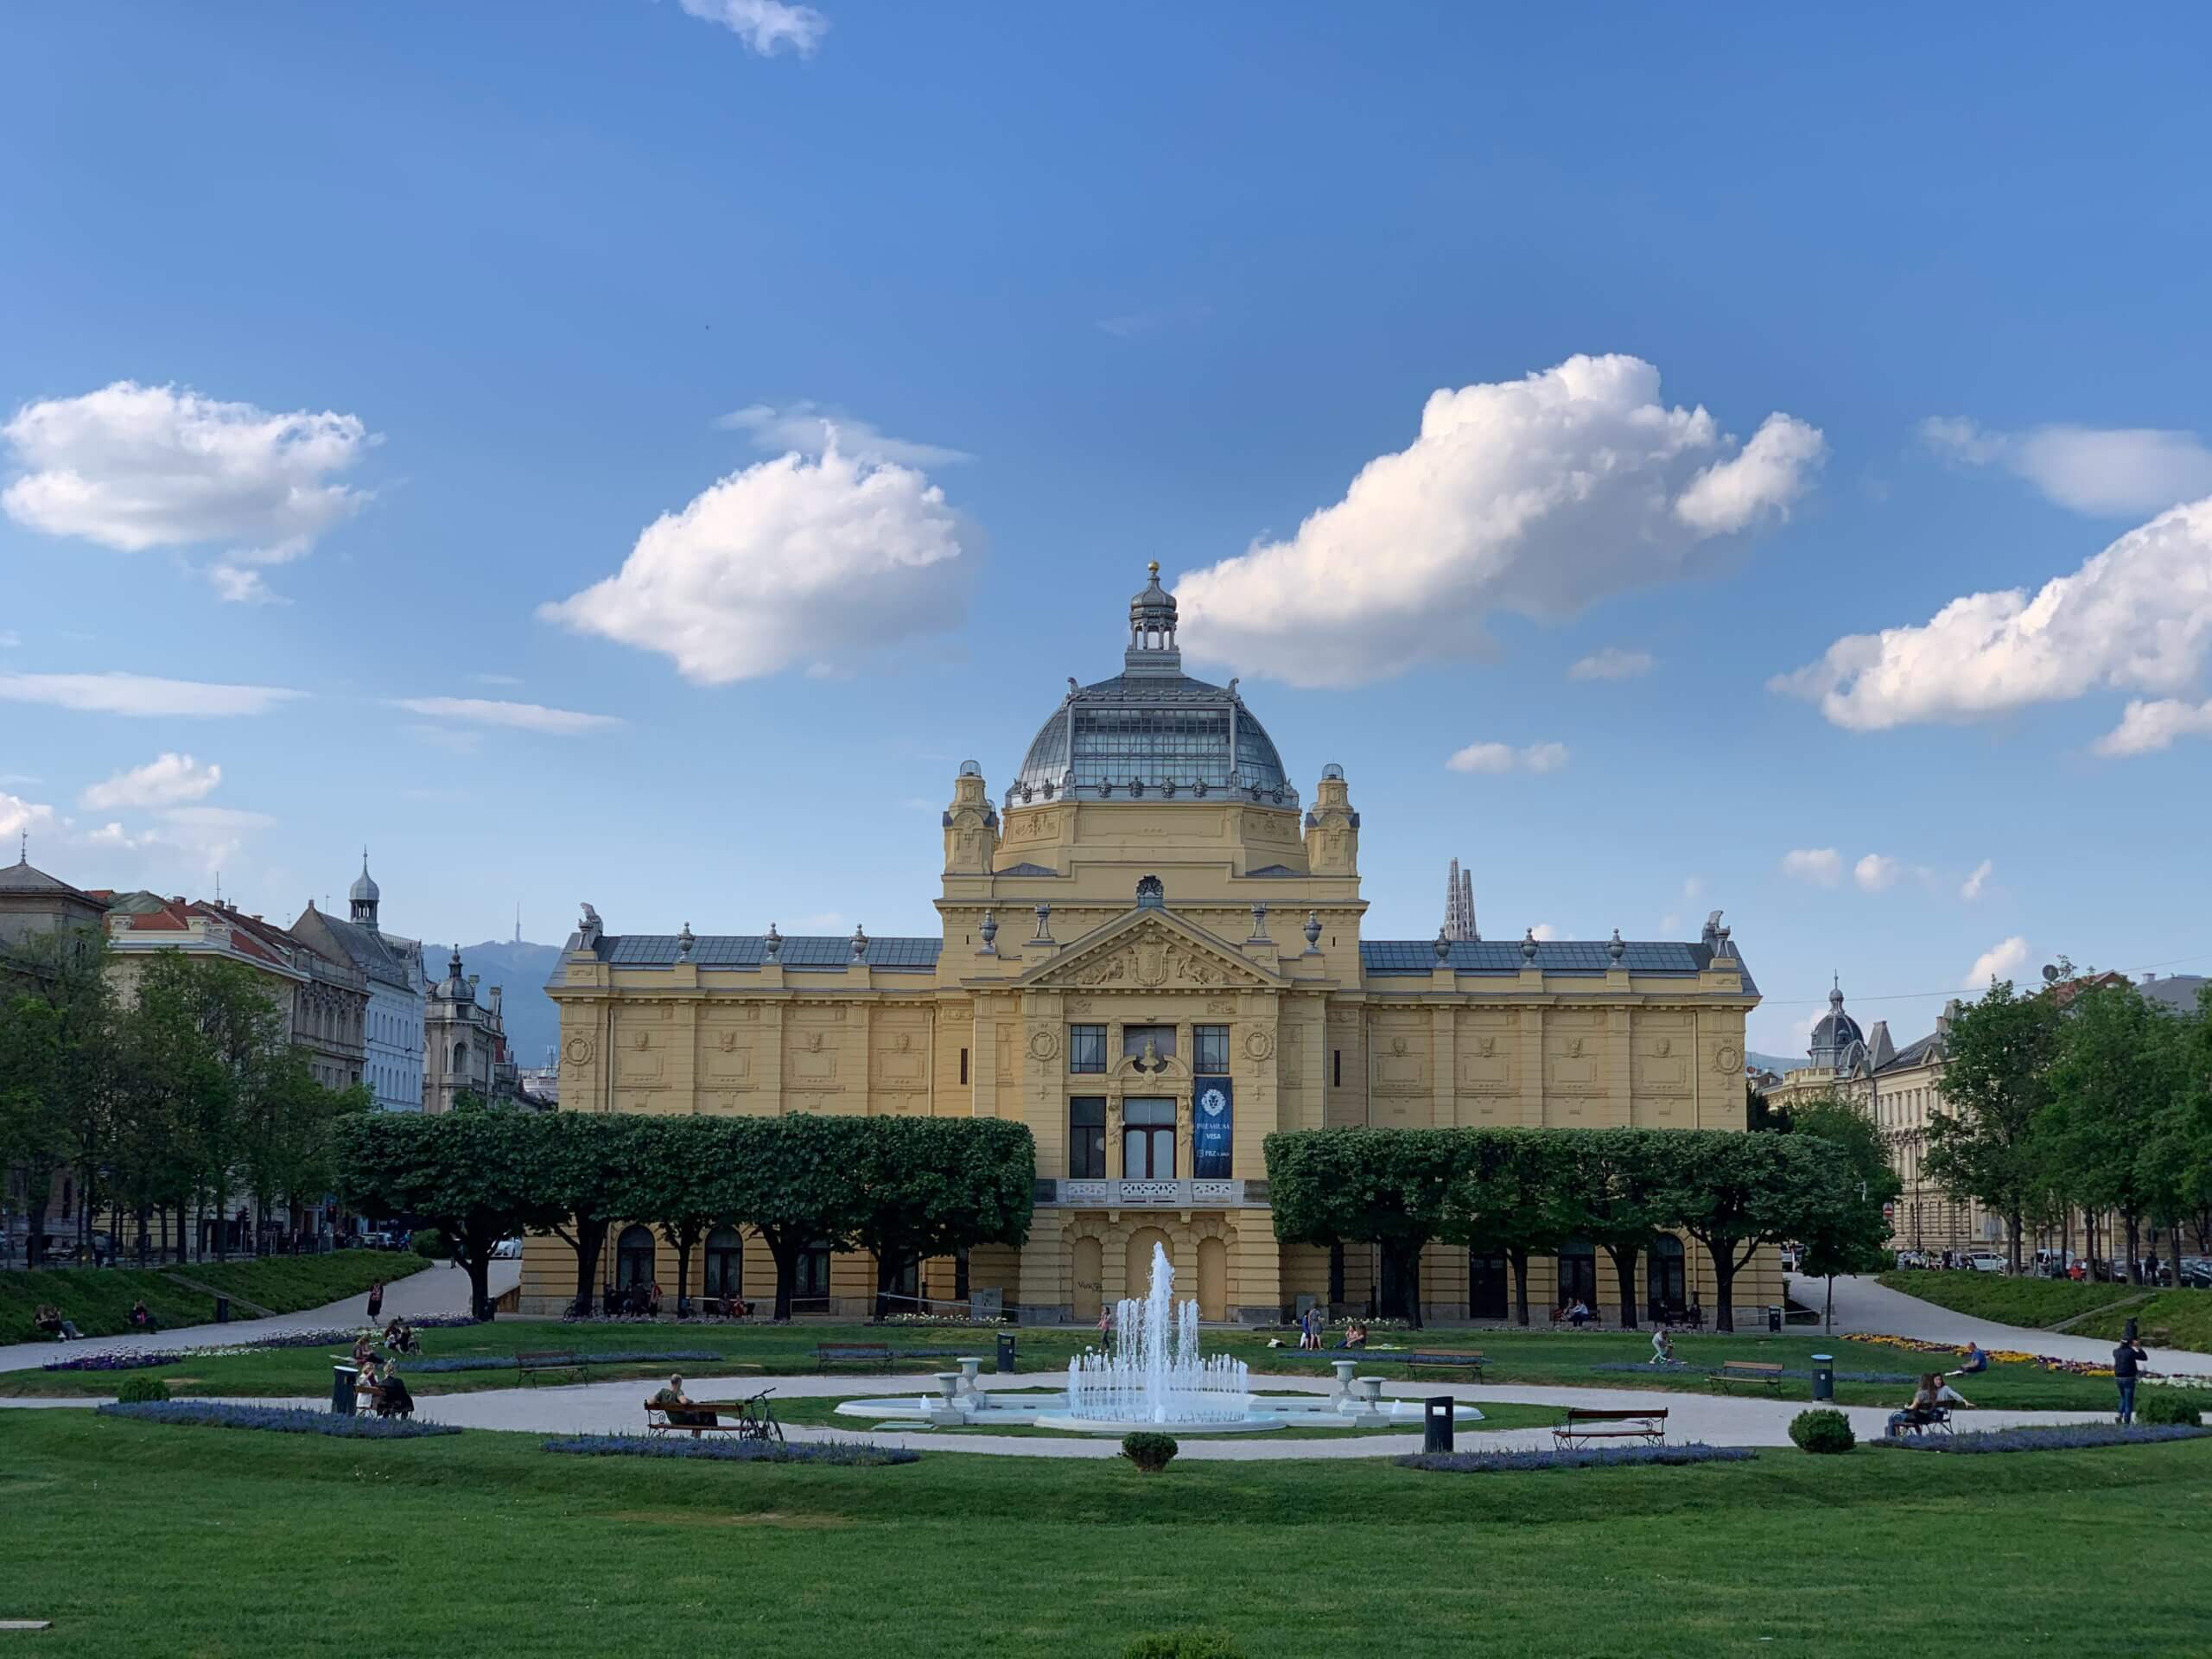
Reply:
x=971, y=825
x=1151, y=630
x=363, y=896
x=1332, y=827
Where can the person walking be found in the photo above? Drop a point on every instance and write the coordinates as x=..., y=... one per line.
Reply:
x=2126, y=1367
x=376, y=1301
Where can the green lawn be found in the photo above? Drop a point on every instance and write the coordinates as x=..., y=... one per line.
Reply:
x=822, y=1412
x=206, y=1542
x=98, y=1300
x=1545, y=1357
x=2172, y=1319
x=2035, y=1303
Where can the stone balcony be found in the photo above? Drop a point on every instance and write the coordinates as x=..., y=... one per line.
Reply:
x=1184, y=1194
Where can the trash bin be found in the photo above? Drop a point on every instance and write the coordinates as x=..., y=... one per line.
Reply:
x=1004, y=1364
x=1436, y=1423
x=222, y=1310
x=1774, y=1320
x=341, y=1390
x=1823, y=1377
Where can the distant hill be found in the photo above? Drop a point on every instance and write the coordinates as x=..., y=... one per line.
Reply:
x=1775, y=1062
x=533, y=1023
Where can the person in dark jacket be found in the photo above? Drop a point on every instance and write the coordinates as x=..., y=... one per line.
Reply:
x=2127, y=1366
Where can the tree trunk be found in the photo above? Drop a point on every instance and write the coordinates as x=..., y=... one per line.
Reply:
x=1624, y=1269
x=1723, y=1256
x=2134, y=1246
x=1517, y=1259
x=2013, y=1223
x=477, y=1244
x=786, y=1257
x=683, y=1274
x=586, y=1242
x=886, y=1275
x=36, y=1197
x=1404, y=1262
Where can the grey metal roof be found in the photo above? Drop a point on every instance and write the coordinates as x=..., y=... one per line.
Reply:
x=1383, y=957
x=1166, y=733
x=1913, y=1053
x=2176, y=992
x=1025, y=870
x=1272, y=871
x=816, y=954
x=23, y=877
x=371, y=952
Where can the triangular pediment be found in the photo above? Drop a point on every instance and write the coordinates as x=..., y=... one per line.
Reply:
x=1151, y=949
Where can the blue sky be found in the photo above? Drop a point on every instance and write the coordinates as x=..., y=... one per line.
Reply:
x=341, y=345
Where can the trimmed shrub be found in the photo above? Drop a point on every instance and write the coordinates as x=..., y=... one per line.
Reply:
x=855, y=1454
x=430, y=1245
x=2064, y=1438
x=137, y=1390
x=281, y=1419
x=1608, y=1456
x=1150, y=1453
x=1183, y=1644
x=1822, y=1431
x=2167, y=1408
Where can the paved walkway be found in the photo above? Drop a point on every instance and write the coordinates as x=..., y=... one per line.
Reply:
x=435, y=1290
x=618, y=1408
x=1867, y=1305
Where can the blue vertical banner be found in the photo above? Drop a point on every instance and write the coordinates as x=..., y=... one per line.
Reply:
x=1213, y=1124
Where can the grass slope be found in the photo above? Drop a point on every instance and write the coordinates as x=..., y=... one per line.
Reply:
x=98, y=1299
x=2035, y=1303
x=257, y=1544
x=2172, y=1319
x=1547, y=1357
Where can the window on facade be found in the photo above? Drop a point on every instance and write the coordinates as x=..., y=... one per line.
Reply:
x=725, y=1262
x=1086, y=1048
x=633, y=1258
x=1211, y=1044
x=1336, y=1068
x=963, y=1068
x=1149, y=1140
x=811, y=1281
x=1087, y=1139
x=1134, y=1038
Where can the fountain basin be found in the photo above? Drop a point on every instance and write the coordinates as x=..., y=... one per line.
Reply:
x=985, y=1410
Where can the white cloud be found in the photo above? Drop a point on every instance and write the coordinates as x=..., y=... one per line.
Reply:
x=1611, y=664
x=1694, y=887
x=522, y=716
x=2138, y=616
x=765, y=26
x=788, y=564
x=1539, y=496
x=1503, y=757
x=10, y=638
x=2146, y=728
x=132, y=468
x=807, y=428
x=209, y=837
x=167, y=780
x=1971, y=888
x=2107, y=471
x=1823, y=865
x=1543, y=931
x=495, y=679
x=140, y=695
x=2001, y=961
x=1875, y=873
x=17, y=815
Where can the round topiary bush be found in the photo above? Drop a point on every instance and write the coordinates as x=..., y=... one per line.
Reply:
x=1150, y=1453
x=430, y=1245
x=1183, y=1644
x=136, y=1390
x=2165, y=1408
x=1822, y=1431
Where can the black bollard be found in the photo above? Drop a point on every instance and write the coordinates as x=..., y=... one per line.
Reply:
x=341, y=1390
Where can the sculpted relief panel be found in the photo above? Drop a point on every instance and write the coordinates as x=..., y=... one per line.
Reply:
x=1574, y=1052
x=1665, y=1049
x=1488, y=1046
x=1153, y=959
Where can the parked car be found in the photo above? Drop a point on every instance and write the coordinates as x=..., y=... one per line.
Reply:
x=1985, y=1261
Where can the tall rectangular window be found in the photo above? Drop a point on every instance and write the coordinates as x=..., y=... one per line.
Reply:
x=1149, y=1140
x=1336, y=1068
x=1087, y=1048
x=963, y=1067
x=1212, y=1044
x=1087, y=1138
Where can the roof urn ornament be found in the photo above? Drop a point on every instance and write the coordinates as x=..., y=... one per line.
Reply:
x=1443, y=946
x=1259, y=920
x=1043, y=926
x=774, y=942
x=1617, y=951
x=685, y=941
x=859, y=943
x=1313, y=933
x=1528, y=946
x=990, y=930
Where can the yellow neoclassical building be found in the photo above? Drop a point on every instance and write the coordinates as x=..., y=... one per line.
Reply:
x=1151, y=954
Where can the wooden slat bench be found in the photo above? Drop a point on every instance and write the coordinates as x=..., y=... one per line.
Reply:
x=532, y=1364
x=1582, y=1427
x=749, y=1419
x=1442, y=1362
x=1746, y=1371
x=827, y=1354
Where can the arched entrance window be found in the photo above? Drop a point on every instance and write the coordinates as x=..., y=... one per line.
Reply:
x=725, y=1262
x=1578, y=1273
x=1665, y=1295
x=1213, y=1279
x=810, y=1286
x=633, y=1258
x=1488, y=1284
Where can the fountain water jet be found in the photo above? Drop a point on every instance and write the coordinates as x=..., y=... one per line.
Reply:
x=1152, y=1372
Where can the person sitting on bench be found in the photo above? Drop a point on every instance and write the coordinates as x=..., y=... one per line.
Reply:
x=141, y=1319
x=1578, y=1314
x=48, y=1319
x=392, y=1398
x=1927, y=1405
x=683, y=1412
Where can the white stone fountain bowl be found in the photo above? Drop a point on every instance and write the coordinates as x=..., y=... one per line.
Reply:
x=1259, y=1412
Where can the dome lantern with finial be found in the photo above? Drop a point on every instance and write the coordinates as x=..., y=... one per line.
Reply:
x=364, y=894
x=1152, y=628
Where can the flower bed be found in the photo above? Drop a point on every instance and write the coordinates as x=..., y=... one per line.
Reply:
x=1611, y=1457
x=113, y=1359
x=1997, y=1355
x=510, y=1362
x=281, y=1419
x=864, y=1455
x=2063, y=1437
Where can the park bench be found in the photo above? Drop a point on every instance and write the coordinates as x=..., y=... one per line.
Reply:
x=1935, y=1420
x=530, y=1365
x=1582, y=1427
x=749, y=1420
x=827, y=1354
x=1746, y=1371
x=1438, y=1361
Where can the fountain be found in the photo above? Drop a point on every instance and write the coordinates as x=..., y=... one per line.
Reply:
x=1151, y=1375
